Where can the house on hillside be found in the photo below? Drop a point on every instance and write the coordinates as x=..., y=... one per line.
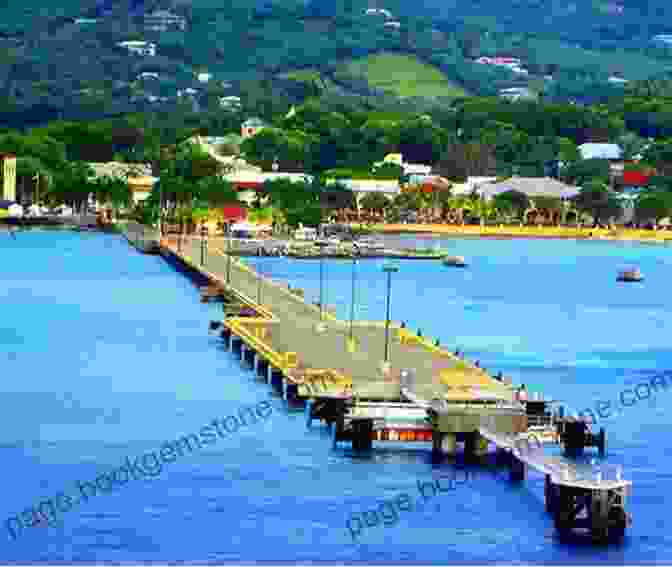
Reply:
x=139, y=47
x=229, y=102
x=163, y=20
x=381, y=11
x=251, y=127
x=517, y=93
x=600, y=151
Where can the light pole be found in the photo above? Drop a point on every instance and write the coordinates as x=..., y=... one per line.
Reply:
x=204, y=231
x=259, y=281
x=388, y=269
x=352, y=306
x=228, y=255
x=321, y=246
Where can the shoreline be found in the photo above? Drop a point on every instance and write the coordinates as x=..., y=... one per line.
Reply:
x=509, y=232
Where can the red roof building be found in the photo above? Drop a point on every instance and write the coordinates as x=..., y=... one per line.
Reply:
x=635, y=178
x=234, y=213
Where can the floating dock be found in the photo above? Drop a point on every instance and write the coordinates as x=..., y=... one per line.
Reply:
x=424, y=393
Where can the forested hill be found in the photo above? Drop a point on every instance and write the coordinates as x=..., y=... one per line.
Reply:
x=62, y=60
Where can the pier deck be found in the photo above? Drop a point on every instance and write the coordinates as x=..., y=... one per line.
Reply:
x=293, y=326
x=561, y=470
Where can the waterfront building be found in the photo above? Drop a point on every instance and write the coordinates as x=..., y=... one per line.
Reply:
x=8, y=176
x=137, y=175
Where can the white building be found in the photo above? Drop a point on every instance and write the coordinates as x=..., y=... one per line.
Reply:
x=139, y=47
x=516, y=93
x=204, y=77
x=162, y=21
x=473, y=184
x=381, y=11
x=408, y=168
x=188, y=92
x=229, y=102
x=600, y=151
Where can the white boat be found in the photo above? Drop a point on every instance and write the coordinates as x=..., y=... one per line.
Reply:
x=630, y=275
x=455, y=261
x=369, y=244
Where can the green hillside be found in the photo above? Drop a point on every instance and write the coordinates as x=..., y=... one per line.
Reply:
x=403, y=75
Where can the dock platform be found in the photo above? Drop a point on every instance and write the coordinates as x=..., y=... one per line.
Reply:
x=425, y=393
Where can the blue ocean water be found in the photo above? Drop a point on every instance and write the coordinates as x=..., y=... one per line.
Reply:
x=105, y=354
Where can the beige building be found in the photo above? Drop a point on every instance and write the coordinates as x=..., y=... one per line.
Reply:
x=8, y=176
x=137, y=175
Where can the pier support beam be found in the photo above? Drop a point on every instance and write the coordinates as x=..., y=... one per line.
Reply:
x=361, y=434
x=308, y=413
x=443, y=443
x=249, y=355
x=276, y=379
x=470, y=446
x=549, y=494
x=262, y=365
x=518, y=469
x=269, y=374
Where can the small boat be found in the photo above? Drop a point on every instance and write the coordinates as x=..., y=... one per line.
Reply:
x=369, y=244
x=454, y=261
x=630, y=275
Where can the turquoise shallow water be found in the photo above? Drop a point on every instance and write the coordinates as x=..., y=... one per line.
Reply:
x=104, y=354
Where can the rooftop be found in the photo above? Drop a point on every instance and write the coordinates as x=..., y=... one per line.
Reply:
x=531, y=186
x=254, y=122
x=600, y=151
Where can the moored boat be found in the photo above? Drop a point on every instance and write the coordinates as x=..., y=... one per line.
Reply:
x=630, y=275
x=455, y=261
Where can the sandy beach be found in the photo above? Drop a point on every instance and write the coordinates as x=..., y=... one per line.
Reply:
x=472, y=231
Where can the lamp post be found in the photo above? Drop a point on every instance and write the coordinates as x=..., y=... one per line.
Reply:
x=388, y=269
x=228, y=255
x=204, y=231
x=321, y=246
x=352, y=306
x=259, y=281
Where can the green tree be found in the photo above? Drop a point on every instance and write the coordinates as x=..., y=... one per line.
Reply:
x=299, y=202
x=374, y=202
x=653, y=206
x=72, y=184
x=583, y=171
x=596, y=199
x=113, y=191
x=512, y=201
